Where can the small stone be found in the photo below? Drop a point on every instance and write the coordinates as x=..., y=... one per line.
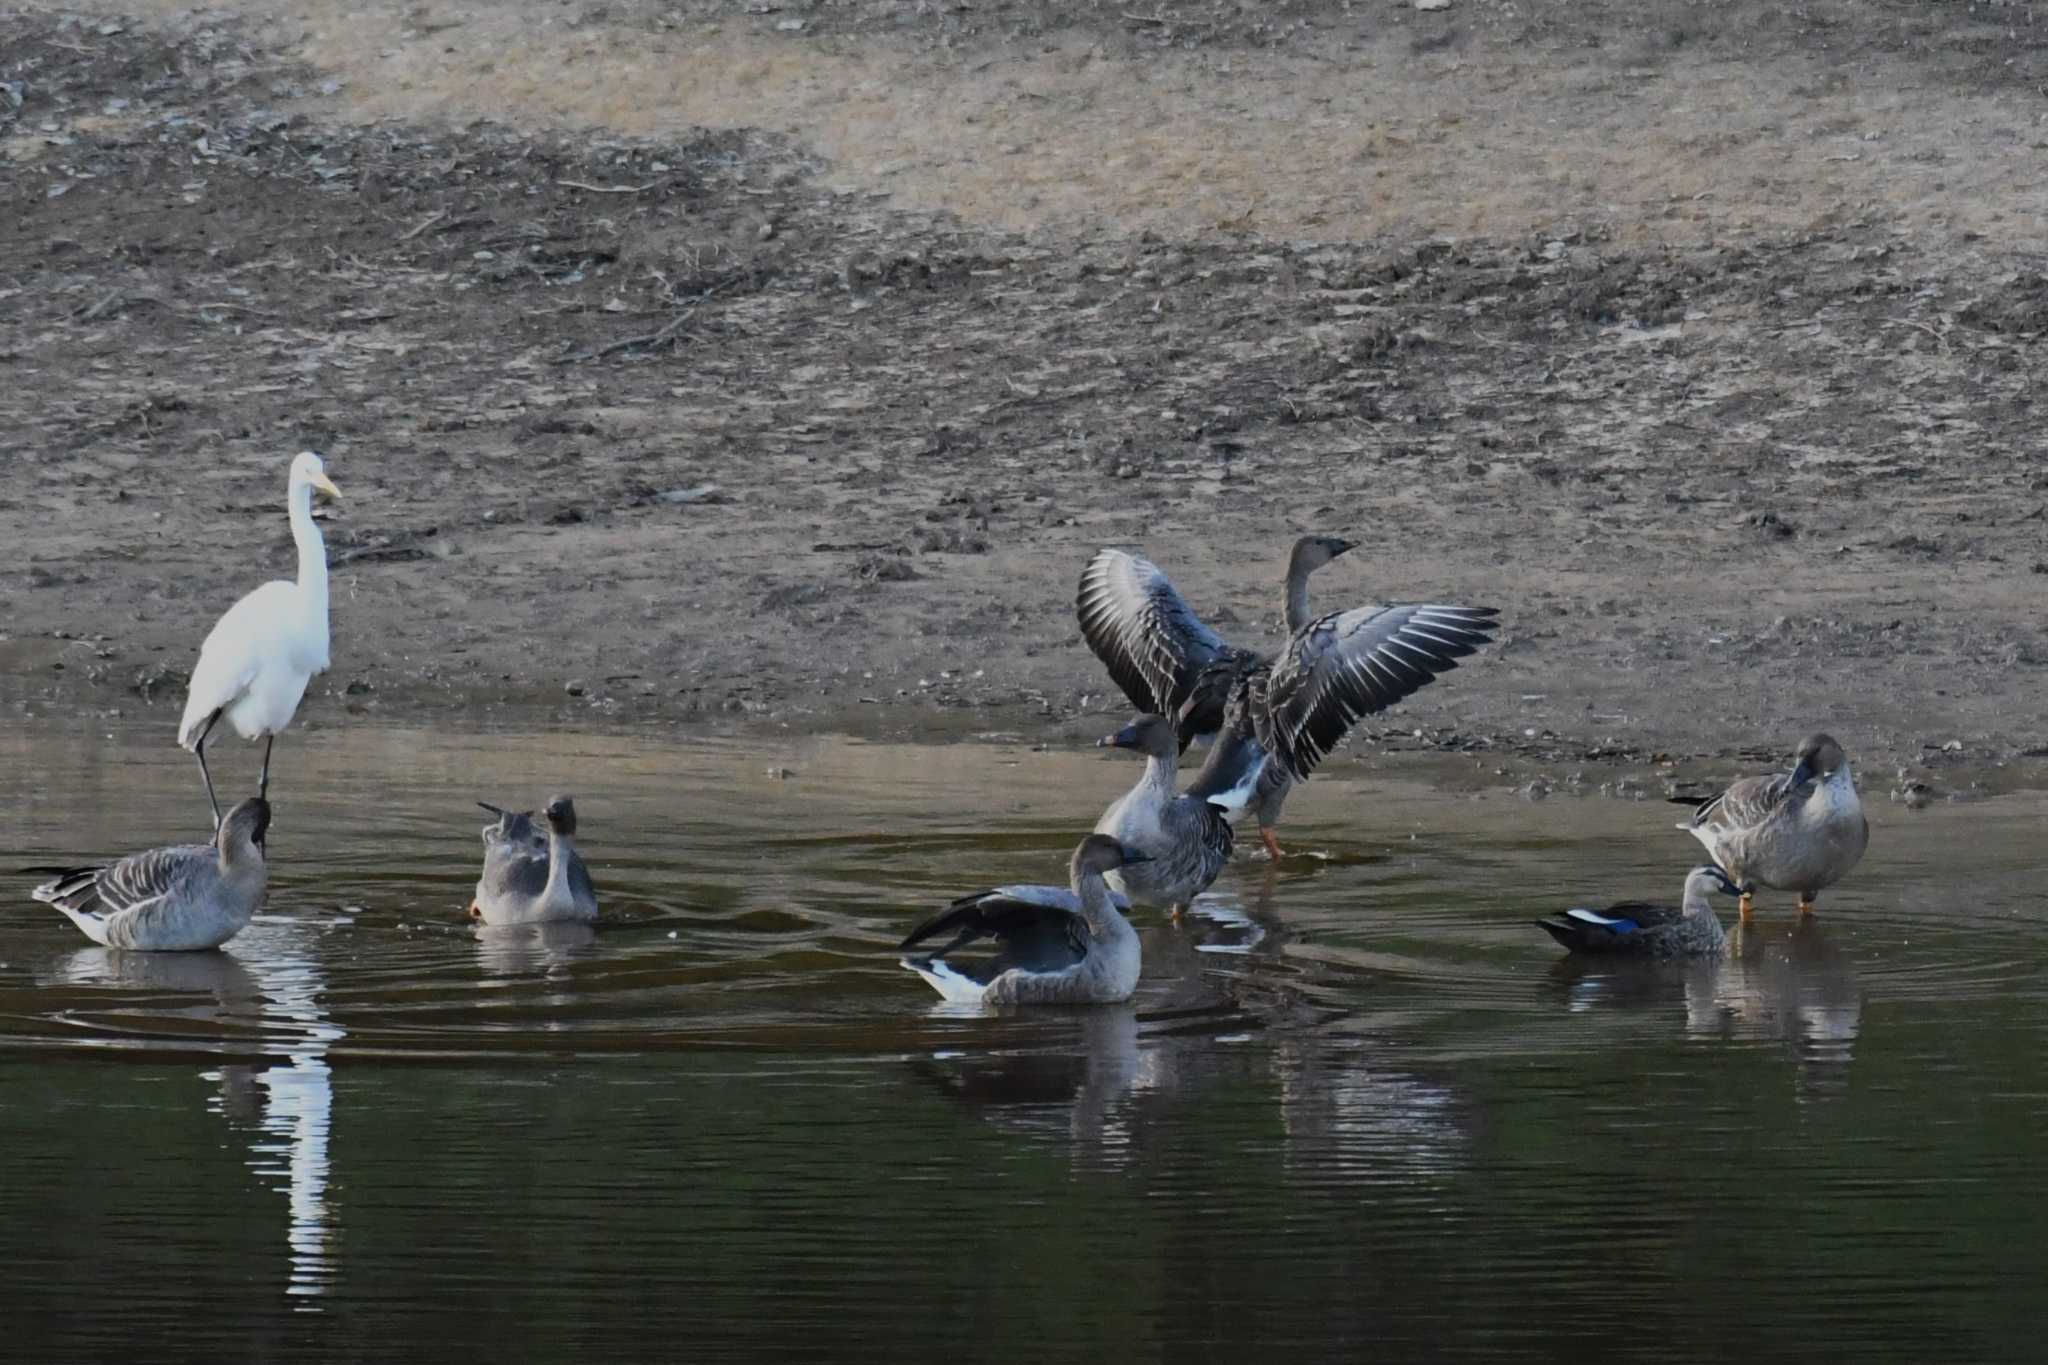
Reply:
x=575, y=687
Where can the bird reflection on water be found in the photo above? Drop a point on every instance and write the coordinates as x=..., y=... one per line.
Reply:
x=274, y=1000
x=1786, y=983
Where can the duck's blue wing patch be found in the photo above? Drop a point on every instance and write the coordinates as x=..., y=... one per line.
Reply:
x=1613, y=924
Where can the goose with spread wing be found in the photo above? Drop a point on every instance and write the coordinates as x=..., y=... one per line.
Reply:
x=531, y=877
x=1059, y=945
x=1798, y=831
x=1298, y=705
x=1641, y=929
x=177, y=899
x=1186, y=836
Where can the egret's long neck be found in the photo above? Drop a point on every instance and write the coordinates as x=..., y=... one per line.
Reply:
x=1297, y=598
x=559, y=849
x=312, y=549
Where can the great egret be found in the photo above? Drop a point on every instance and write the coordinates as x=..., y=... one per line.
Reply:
x=183, y=898
x=257, y=660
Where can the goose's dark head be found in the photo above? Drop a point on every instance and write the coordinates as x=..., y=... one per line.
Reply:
x=1312, y=552
x=1099, y=853
x=248, y=821
x=1153, y=736
x=1818, y=757
x=560, y=814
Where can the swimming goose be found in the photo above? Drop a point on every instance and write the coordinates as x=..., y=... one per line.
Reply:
x=1798, y=831
x=1334, y=669
x=258, y=658
x=1639, y=928
x=530, y=877
x=1186, y=837
x=1059, y=947
x=175, y=899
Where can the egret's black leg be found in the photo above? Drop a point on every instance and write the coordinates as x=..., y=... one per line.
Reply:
x=199, y=752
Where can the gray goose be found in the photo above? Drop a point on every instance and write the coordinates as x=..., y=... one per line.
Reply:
x=1186, y=837
x=530, y=877
x=178, y=899
x=1296, y=705
x=1798, y=831
x=1060, y=945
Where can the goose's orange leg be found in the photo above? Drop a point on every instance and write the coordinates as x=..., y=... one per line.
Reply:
x=1272, y=843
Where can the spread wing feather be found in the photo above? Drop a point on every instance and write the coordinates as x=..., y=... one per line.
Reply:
x=1350, y=664
x=1143, y=631
x=1036, y=929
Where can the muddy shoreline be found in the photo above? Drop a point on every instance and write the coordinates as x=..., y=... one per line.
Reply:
x=688, y=428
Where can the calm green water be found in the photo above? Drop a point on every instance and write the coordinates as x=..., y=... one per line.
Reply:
x=1359, y=1109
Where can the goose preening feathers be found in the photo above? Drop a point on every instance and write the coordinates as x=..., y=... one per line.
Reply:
x=258, y=658
x=1798, y=831
x=1643, y=929
x=1297, y=705
x=185, y=897
x=532, y=871
x=1058, y=945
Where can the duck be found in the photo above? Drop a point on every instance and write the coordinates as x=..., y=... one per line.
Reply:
x=1799, y=831
x=1642, y=929
x=1298, y=704
x=256, y=661
x=530, y=877
x=184, y=898
x=1060, y=945
x=1186, y=836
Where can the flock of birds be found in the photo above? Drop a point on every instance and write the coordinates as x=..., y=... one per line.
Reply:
x=1268, y=721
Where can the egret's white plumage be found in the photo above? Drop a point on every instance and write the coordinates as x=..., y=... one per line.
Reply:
x=258, y=658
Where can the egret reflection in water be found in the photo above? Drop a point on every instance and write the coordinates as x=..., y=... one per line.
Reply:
x=268, y=991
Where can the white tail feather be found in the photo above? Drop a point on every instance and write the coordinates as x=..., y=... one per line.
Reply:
x=961, y=990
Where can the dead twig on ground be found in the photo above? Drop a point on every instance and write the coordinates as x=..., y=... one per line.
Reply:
x=417, y=228
x=662, y=336
x=608, y=189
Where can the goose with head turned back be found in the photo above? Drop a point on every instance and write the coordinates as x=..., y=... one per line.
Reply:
x=186, y=897
x=258, y=658
x=1060, y=945
x=531, y=878
x=1798, y=831
x=1297, y=706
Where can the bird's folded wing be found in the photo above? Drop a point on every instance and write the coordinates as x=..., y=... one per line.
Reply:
x=1747, y=803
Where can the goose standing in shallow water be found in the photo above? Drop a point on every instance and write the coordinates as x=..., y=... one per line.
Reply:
x=1646, y=930
x=531, y=878
x=1186, y=837
x=186, y=897
x=1798, y=831
x=258, y=658
x=1297, y=706
x=1059, y=946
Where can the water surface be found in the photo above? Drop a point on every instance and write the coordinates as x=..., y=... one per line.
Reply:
x=1360, y=1107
